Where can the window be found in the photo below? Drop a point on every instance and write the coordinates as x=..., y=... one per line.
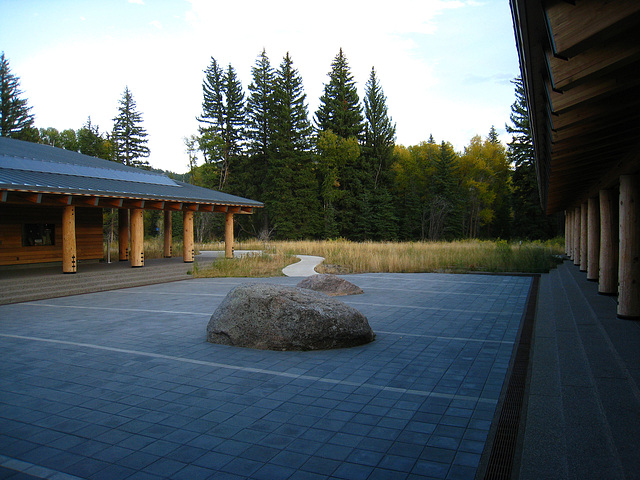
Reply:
x=37, y=234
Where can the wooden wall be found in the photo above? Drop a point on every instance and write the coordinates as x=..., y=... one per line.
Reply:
x=13, y=217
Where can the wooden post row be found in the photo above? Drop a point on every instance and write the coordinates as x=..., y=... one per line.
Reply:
x=228, y=236
x=123, y=234
x=187, y=242
x=629, y=265
x=576, y=236
x=593, y=239
x=583, y=236
x=608, y=259
x=167, y=234
x=567, y=233
x=137, y=237
x=69, y=253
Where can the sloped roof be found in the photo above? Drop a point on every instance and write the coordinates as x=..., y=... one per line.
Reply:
x=36, y=168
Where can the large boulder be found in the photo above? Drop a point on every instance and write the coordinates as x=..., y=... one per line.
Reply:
x=273, y=317
x=330, y=284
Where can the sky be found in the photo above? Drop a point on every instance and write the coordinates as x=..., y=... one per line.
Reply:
x=445, y=66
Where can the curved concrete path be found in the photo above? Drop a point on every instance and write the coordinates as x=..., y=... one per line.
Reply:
x=304, y=268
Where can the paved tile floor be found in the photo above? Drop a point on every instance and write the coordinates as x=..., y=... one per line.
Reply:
x=123, y=384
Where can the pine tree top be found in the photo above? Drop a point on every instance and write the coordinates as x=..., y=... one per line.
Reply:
x=340, y=110
x=15, y=115
x=129, y=136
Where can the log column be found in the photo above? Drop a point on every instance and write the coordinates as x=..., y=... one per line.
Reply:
x=228, y=236
x=167, y=234
x=123, y=234
x=576, y=236
x=187, y=233
x=584, y=235
x=608, y=259
x=69, y=254
x=629, y=264
x=593, y=239
x=567, y=232
x=137, y=237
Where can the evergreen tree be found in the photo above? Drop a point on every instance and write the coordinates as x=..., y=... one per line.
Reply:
x=378, y=155
x=222, y=119
x=444, y=209
x=501, y=225
x=340, y=114
x=293, y=190
x=91, y=142
x=259, y=108
x=529, y=220
x=380, y=132
x=128, y=135
x=493, y=136
x=253, y=171
x=16, y=121
x=340, y=109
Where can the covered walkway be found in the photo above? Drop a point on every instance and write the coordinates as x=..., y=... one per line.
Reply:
x=583, y=403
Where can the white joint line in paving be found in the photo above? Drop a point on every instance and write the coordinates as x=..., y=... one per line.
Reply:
x=115, y=309
x=33, y=469
x=439, y=337
x=38, y=304
x=310, y=378
x=435, y=309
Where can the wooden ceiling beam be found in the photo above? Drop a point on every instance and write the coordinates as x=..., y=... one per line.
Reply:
x=596, y=126
x=593, y=91
x=153, y=205
x=591, y=114
x=606, y=139
x=595, y=62
x=112, y=202
x=576, y=27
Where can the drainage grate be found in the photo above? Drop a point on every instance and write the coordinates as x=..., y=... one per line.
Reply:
x=503, y=447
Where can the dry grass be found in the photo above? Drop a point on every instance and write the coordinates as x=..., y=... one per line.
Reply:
x=343, y=256
x=253, y=265
x=153, y=248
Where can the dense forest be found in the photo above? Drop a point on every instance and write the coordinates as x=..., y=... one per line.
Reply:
x=337, y=174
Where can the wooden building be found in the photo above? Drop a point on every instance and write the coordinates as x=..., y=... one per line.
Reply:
x=51, y=203
x=580, y=61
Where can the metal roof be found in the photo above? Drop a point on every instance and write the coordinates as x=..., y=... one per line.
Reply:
x=33, y=167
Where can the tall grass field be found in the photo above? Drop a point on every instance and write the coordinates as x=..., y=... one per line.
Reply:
x=342, y=256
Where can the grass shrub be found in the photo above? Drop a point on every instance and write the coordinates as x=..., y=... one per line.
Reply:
x=252, y=265
x=153, y=248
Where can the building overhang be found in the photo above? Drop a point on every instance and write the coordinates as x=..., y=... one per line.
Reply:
x=579, y=62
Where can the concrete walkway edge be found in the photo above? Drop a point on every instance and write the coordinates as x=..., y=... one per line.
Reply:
x=304, y=268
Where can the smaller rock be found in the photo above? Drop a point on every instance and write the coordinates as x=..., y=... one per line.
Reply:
x=331, y=285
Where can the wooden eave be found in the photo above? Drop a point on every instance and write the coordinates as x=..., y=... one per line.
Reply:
x=31, y=196
x=579, y=61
